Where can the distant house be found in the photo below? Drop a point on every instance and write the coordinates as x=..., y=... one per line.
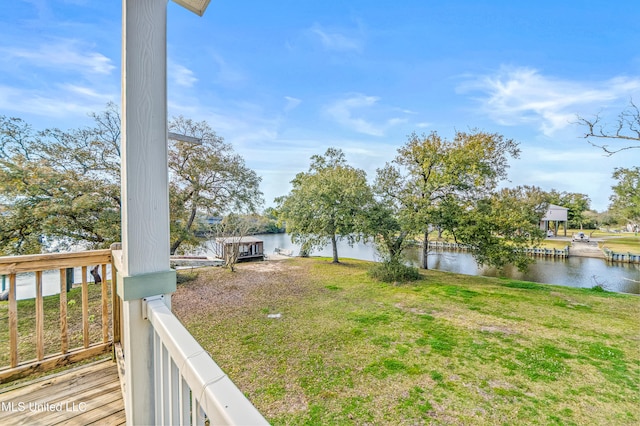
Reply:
x=245, y=248
x=555, y=214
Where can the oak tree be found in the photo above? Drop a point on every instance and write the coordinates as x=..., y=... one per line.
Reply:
x=625, y=200
x=60, y=189
x=326, y=203
x=449, y=185
x=208, y=178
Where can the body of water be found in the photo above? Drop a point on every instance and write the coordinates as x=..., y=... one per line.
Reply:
x=26, y=282
x=573, y=272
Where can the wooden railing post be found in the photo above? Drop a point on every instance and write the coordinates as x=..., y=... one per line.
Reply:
x=13, y=322
x=115, y=299
x=64, y=339
x=105, y=304
x=39, y=317
x=85, y=308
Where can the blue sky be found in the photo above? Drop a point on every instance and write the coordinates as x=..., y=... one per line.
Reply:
x=284, y=80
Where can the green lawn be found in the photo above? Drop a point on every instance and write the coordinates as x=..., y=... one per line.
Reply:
x=556, y=244
x=622, y=244
x=450, y=349
x=618, y=242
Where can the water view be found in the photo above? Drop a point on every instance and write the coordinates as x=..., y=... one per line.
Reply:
x=574, y=272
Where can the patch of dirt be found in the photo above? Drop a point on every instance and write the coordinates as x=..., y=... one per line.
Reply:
x=220, y=291
x=496, y=329
x=412, y=310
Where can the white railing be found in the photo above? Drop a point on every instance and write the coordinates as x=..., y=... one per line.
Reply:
x=190, y=388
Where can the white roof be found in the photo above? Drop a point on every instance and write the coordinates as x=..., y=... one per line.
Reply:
x=554, y=207
x=229, y=240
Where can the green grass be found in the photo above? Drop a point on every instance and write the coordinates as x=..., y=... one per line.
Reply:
x=619, y=243
x=556, y=244
x=448, y=349
x=622, y=244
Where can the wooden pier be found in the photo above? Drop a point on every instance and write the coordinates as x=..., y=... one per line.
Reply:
x=538, y=251
x=548, y=252
x=612, y=256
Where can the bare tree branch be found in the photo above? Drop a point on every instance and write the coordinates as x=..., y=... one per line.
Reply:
x=627, y=128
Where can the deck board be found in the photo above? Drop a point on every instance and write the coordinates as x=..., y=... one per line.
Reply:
x=85, y=395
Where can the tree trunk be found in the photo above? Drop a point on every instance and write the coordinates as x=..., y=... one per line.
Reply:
x=425, y=251
x=175, y=246
x=334, y=246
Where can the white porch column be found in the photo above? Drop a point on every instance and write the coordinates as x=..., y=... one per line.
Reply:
x=145, y=193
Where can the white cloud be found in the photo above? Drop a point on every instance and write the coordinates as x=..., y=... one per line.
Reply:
x=333, y=40
x=292, y=103
x=87, y=92
x=225, y=72
x=69, y=102
x=182, y=75
x=515, y=96
x=344, y=112
x=63, y=55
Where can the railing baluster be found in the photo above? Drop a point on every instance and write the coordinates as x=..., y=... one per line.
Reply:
x=184, y=398
x=211, y=394
x=174, y=389
x=115, y=304
x=85, y=308
x=196, y=411
x=166, y=390
x=39, y=317
x=105, y=306
x=64, y=339
x=157, y=349
x=13, y=321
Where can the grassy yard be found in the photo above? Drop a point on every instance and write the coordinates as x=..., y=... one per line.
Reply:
x=618, y=242
x=556, y=244
x=450, y=349
x=622, y=244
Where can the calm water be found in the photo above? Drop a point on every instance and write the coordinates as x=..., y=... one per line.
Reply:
x=26, y=282
x=573, y=272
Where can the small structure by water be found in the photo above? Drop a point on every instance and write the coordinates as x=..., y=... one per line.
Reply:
x=245, y=248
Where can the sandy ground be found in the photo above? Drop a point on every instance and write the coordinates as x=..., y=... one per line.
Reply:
x=585, y=250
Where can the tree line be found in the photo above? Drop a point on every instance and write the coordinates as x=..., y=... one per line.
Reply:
x=62, y=188
x=433, y=185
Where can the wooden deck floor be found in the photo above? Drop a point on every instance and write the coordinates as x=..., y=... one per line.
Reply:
x=83, y=396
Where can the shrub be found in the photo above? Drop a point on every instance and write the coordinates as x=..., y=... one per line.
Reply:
x=393, y=271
